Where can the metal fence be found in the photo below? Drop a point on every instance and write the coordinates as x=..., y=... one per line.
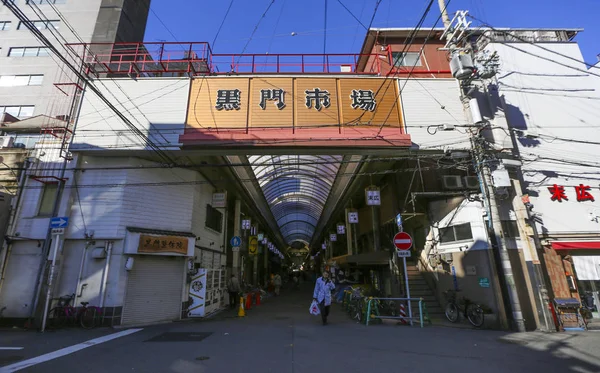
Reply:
x=409, y=318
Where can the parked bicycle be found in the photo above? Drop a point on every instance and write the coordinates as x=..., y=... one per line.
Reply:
x=65, y=313
x=471, y=311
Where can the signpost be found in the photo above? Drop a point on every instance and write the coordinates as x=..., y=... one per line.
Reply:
x=235, y=241
x=403, y=242
x=57, y=229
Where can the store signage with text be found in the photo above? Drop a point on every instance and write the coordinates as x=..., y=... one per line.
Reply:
x=163, y=244
x=558, y=193
x=238, y=102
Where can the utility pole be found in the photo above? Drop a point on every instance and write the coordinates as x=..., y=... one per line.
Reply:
x=483, y=170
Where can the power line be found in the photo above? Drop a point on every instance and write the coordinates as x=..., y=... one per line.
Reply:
x=222, y=23
x=352, y=14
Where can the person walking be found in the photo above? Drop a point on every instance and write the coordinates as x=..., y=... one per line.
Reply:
x=277, y=282
x=233, y=286
x=322, y=295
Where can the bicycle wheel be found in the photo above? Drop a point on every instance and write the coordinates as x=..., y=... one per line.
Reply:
x=88, y=318
x=475, y=315
x=59, y=317
x=451, y=312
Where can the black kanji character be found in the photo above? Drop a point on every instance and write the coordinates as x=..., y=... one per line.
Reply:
x=228, y=99
x=317, y=97
x=364, y=99
x=272, y=95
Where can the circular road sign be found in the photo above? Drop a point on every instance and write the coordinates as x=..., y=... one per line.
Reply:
x=403, y=241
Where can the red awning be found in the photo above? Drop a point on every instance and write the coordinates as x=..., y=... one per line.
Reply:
x=582, y=245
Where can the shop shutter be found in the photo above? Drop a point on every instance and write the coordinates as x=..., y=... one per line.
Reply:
x=154, y=289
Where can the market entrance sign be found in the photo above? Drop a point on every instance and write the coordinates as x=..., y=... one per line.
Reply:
x=230, y=103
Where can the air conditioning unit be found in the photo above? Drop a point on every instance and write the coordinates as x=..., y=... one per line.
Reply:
x=471, y=182
x=452, y=182
x=6, y=141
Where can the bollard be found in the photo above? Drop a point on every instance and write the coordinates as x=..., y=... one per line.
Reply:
x=249, y=301
x=241, y=312
x=402, y=313
x=257, y=298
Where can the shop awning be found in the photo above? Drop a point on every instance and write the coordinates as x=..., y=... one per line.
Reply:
x=580, y=245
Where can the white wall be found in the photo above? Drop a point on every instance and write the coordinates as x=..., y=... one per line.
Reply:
x=156, y=106
x=80, y=14
x=465, y=212
x=556, y=102
x=432, y=102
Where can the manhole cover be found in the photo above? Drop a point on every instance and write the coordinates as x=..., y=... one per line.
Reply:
x=202, y=358
x=180, y=337
x=5, y=360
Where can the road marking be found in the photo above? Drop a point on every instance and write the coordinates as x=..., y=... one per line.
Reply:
x=11, y=348
x=65, y=351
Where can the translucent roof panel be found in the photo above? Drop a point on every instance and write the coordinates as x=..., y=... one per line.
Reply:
x=296, y=188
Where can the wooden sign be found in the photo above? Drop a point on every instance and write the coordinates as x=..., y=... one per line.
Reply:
x=163, y=244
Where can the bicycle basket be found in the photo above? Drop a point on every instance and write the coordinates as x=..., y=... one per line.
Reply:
x=64, y=301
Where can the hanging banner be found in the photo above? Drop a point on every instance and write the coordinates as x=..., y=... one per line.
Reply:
x=333, y=237
x=341, y=229
x=372, y=195
x=353, y=217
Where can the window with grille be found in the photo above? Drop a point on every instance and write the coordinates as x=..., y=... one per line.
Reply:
x=459, y=232
x=409, y=59
x=214, y=219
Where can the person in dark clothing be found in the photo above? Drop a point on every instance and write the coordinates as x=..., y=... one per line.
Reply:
x=233, y=286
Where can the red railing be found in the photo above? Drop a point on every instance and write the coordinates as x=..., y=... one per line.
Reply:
x=196, y=58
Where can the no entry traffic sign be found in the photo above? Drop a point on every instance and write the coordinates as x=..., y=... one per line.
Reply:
x=403, y=242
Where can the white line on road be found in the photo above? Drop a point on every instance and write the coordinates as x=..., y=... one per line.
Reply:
x=10, y=348
x=65, y=351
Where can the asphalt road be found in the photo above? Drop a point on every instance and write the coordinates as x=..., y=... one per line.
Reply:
x=280, y=336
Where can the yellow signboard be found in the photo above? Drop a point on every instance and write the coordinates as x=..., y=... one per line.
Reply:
x=163, y=244
x=253, y=245
x=293, y=102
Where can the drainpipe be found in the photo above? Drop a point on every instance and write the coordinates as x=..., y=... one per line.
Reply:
x=12, y=226
x=81, y=265
x=108, y=249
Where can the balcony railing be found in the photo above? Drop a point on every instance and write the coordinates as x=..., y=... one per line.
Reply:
x=196, y=58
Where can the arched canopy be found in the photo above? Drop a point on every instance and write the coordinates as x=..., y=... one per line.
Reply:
x=296, y=188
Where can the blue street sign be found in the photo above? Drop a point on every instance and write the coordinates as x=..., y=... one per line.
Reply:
x=236, y=241
x=399, y=220
x=59, y=222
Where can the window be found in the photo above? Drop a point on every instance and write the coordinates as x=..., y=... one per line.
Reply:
x=460, y=232
x=42, y=2
x=4, y=25
x=41, y=25
x=409, y=59
x=47, y=200
x=18, y=111
x=510, y=229
x=28, y=52
x=20, y=80
x=214, y=219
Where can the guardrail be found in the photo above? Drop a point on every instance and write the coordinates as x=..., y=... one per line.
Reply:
x=409, y=318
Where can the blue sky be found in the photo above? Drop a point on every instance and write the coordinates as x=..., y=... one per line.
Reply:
x=193, y=20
